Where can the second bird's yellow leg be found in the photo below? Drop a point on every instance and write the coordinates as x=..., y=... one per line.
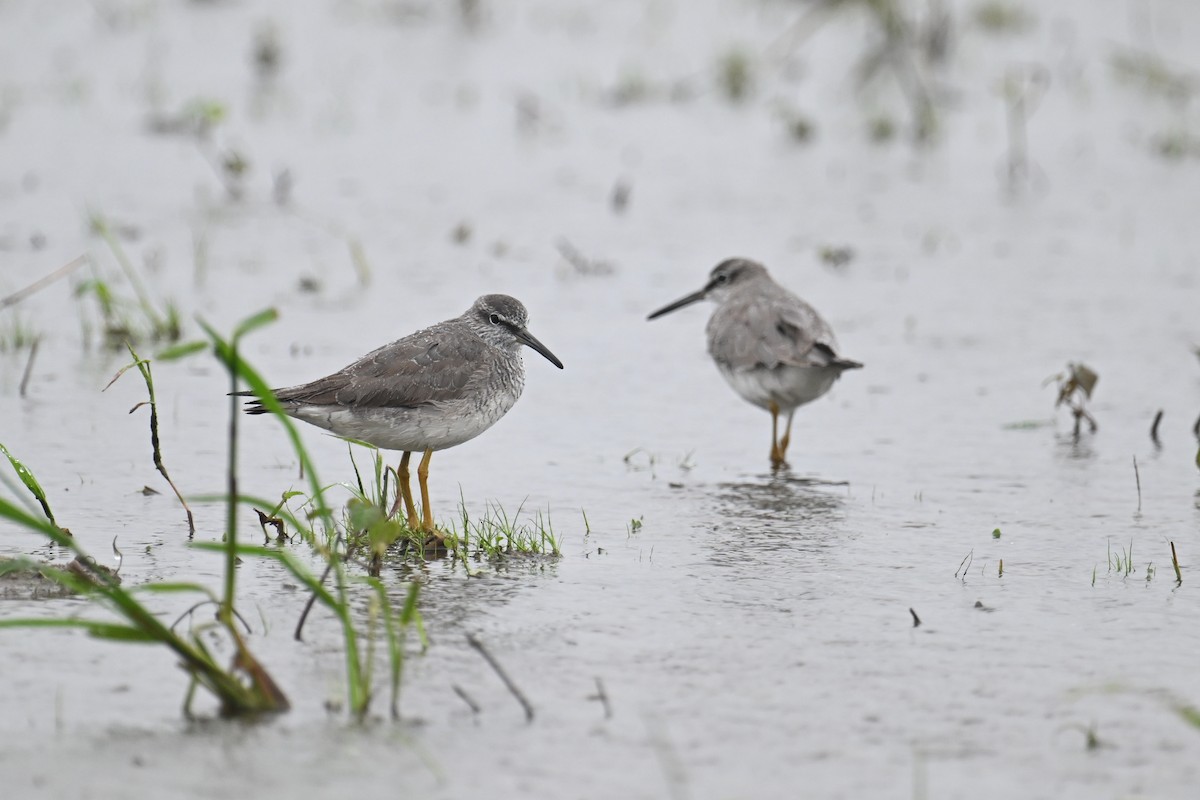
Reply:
x=787, y=435
x=776, y=453
x=423, y=482
x=410, y=508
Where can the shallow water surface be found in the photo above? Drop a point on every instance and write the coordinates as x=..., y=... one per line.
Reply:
x=754, y=634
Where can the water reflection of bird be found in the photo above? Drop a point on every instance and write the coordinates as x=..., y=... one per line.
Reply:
x=773, y=516
x=781, y=498
x=773, y=348
x=431, y=390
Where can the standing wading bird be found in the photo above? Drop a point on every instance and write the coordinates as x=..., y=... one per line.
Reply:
x=431, y=390
x=772, y=347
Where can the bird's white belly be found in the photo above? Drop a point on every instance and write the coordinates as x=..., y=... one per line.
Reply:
x=412, y=429
x=785, y=386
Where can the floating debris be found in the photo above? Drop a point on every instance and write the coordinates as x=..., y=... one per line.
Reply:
x=1075, y=386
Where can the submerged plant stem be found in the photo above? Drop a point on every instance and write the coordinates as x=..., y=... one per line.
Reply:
x=42, y=283
x=508, y=682
x=143, y=367
x=100, y=225
x=232, y=488
x=1138, y=479
x=28, y=373
x=298, y=634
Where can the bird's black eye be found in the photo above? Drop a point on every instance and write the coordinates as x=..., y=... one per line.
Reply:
x=722, y=277
x=494, y=319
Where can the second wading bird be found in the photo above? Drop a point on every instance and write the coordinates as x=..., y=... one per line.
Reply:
x=434, y=389
x=772, y=347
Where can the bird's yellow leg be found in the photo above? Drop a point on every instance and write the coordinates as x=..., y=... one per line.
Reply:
x=410, y=508
x=787, y=435
x=776, y=453
x=423, y=481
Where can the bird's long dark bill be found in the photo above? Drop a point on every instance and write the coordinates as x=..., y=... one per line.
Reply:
x=694, y=297
x=531, y=340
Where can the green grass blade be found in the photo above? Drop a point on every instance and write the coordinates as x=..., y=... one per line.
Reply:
x=39, y=622
x=178, y=351
x=31, y=483
x=121, y=633
x=14, y=514
x=101, y=630
x=262, y=392
x=264, y=317
x=173, y=587
x=395, y=640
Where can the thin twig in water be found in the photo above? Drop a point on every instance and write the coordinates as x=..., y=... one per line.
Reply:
x=1154, y=428
x=581, y=263
x=916, y=619
x=572, y=255
x=495, y=665
x=1138, y=478
x=1022, y=92
x=191, y=610
x=1175, y=564
x=33, y=350
x=672, y=766
x=602, y=696
x=312, y=598
x=466, y=698
x=967, y=560
x=42, y=283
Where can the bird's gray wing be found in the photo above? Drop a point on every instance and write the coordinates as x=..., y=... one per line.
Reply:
x=770, y=331
x=428, y=367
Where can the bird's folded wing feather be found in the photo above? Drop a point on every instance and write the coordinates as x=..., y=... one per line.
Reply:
x=771, y=332
x=428, y=367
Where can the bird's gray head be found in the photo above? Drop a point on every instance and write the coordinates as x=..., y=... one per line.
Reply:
x=731, y=273
x=725, y=278
x=500, y=321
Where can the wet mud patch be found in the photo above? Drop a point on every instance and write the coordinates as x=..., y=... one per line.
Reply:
x=27, y=579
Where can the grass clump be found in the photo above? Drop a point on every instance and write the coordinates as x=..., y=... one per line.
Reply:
x=1176, y=145
x=331, y=546
x=735, y=75
x=881, y=129
x=244, y=687
x=1152, y=75
x=495, y=535
x=196, y=119
x=373, y=525
x=903, y=50
x=16, y=334
x=1002, y=17
x=1121, y=562
x=124, y=319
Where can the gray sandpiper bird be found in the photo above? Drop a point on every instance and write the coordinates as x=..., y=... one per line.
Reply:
x=434, y=389
x=771, y=347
